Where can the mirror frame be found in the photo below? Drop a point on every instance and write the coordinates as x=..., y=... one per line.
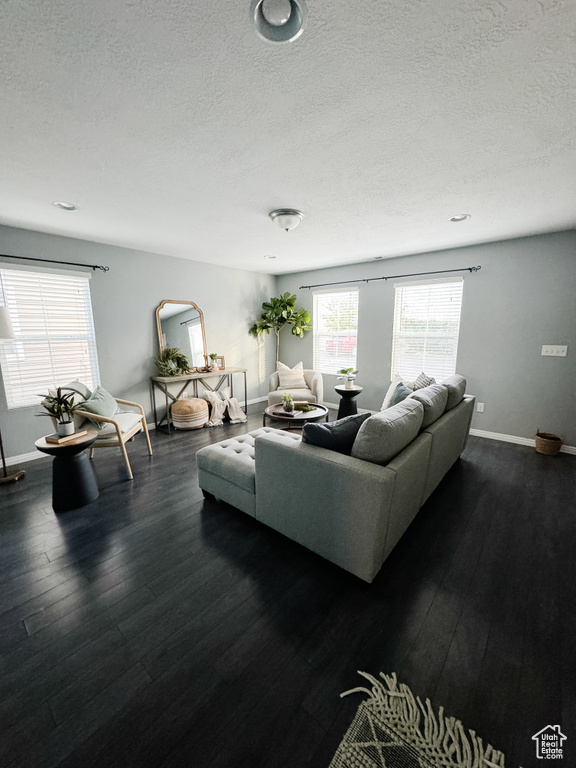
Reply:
x=159, y=325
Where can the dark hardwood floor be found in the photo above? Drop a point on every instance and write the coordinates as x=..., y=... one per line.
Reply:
x=153, y=628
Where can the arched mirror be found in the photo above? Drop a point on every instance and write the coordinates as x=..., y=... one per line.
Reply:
x=181, y=324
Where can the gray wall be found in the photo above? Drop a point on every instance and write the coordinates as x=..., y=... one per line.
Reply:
x=524, y=297
x=124, y=300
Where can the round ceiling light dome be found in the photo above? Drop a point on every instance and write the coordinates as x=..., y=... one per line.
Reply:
x=460, y=217
x=279, y=21
x=286, y=218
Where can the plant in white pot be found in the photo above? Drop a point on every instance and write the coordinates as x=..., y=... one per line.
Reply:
x=213, y=356
x=60, y=407
x=348, y=374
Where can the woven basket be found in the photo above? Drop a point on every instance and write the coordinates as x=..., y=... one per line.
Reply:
x=547, y=443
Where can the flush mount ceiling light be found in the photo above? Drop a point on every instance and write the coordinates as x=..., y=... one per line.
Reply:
x=460, y=217
x=279, y=21
x=286, y=218
x=65, y=206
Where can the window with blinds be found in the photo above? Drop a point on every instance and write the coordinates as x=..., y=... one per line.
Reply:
x=335, y=330
x=54, y=342
x=426, y=328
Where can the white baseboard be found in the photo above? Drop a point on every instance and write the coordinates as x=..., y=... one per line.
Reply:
x=514, y=439
x=12, y=460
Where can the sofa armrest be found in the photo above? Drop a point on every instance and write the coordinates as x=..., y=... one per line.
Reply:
x=335, y=505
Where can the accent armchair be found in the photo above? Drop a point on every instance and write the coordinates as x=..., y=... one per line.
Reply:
x=313, y=394
x=116, y=430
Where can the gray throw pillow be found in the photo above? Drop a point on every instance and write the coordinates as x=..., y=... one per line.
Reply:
x=433, y=399
x=336, y=436
x=400, y=393
x=456, y=386
x=385, y=434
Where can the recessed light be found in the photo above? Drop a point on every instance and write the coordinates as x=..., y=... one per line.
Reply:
x=378, y=258
x=269, y=257
x=460, y=217
x=65, y=206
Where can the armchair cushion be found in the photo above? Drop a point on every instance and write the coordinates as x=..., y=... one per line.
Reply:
x=100, y=403
x=126, y=421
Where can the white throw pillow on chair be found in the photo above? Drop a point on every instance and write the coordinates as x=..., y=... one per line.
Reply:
x=291, y=378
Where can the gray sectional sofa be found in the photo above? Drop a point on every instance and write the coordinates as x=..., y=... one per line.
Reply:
x=350, y=509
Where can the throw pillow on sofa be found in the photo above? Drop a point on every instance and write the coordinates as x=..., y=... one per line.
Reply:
x=423, y=380
x=336, y=436
x=385, y=434
x=291, y=378
x=433, y=399
x=456, y=386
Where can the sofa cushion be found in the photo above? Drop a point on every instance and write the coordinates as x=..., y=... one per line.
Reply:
x=385, y=434
x=433, y=399
x=336, y=436
x=456, y=386
x=291, y=378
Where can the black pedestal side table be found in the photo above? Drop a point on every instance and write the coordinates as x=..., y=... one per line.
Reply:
x=73, y=481
x=347, y=405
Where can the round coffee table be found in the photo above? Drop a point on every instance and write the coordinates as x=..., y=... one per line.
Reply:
x=347, y=405
x=299, y=418
x=73, y=481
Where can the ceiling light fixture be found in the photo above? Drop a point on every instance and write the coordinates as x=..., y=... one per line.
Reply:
x=286, y=218
x=460, y=217
x=279, y=21
x=65, y=206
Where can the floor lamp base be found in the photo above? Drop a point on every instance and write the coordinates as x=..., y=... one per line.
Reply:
x=12, y=475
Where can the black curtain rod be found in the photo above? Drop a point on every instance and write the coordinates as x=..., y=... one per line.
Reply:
x=393, y=277
x=50, y=261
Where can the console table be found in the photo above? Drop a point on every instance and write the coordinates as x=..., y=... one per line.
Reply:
x=223, y=376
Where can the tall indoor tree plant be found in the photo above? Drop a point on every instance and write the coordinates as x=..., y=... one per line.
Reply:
x=279, y=312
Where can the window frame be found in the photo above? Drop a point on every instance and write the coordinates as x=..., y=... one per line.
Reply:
x=13, y=380
x=399, y=336
x=320, y=364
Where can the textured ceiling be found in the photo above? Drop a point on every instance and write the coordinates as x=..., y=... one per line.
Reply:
x=175, y=129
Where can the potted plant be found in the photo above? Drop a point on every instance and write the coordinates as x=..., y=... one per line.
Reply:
x=213, y=357
x=288, y=402
x=60, y=407
x=348, y=374
x=279, y=312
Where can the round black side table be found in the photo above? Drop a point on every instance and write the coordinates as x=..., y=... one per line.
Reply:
x=347, y=405
x=73, y=481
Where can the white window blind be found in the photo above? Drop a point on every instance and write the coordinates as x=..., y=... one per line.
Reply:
x=426, y=327
x=335, y=330
x=54, y=341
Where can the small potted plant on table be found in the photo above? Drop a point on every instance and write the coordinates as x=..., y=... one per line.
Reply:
x=60, y=407
x=214, y=357
x=348, y=374
x=288, y=402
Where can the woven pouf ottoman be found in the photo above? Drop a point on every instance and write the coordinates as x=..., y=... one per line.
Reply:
x=191, y=413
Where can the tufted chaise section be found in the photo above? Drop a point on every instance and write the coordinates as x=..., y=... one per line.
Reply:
x=227, y=469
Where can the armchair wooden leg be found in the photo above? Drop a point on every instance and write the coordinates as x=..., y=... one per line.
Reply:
x=147, y=435
x=127, y=460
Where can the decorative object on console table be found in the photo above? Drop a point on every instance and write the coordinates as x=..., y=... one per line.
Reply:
x=214, y=361
x=220, y=362
x=277, y=313
x=172, y=362
x=7, y=334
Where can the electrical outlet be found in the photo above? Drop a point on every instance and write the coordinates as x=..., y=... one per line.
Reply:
x=480, y=407
x=554, y=350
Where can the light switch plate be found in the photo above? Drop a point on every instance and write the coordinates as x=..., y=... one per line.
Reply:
x=554, y=350
x=480, y=407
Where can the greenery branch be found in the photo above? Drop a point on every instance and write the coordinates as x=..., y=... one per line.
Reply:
x=279, y=312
